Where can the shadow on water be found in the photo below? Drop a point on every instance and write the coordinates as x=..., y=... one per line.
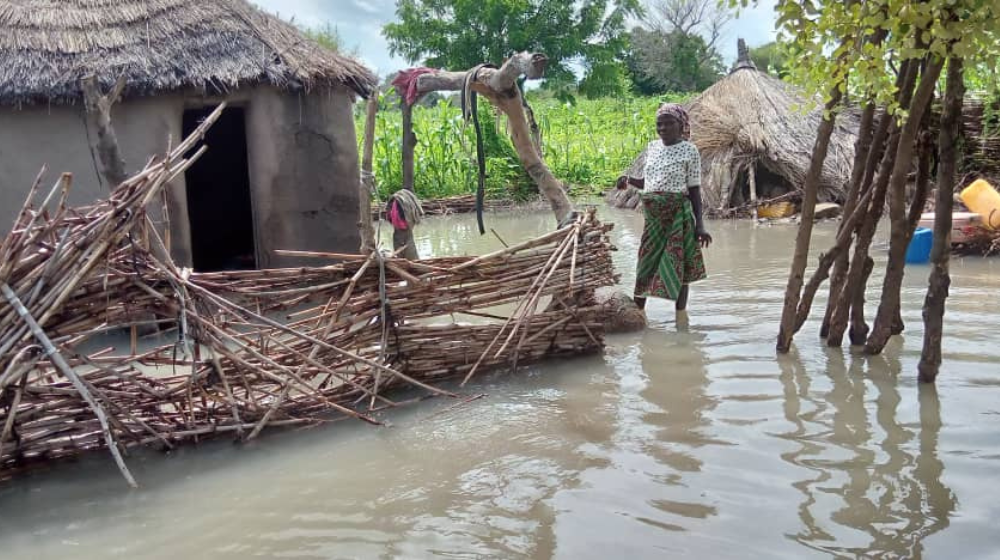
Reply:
x=876, y=487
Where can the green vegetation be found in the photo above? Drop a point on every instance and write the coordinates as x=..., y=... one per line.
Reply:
x=586, y=145
x=459, y=34
x=771, y=58
x=670, y=48
x=674, y=48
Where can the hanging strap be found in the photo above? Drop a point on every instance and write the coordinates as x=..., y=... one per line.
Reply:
x=470, y=109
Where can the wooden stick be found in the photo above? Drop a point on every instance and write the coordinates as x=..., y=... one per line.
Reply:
x=60, y=363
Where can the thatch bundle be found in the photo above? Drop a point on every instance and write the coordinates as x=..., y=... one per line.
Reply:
x=750, y=123
x=241, y=351
x=982, y=142
x=46, y=46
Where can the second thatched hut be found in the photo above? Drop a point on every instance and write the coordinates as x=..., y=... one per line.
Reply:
x=754, y=129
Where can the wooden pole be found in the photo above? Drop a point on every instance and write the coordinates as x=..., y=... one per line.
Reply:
x=403, y=238
x=365, y=227
x=500, y=87
x=112, y=162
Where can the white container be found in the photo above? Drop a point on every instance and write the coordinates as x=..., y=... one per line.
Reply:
x=961, y=223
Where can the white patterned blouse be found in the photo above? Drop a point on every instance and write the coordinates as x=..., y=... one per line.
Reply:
x=672, y=169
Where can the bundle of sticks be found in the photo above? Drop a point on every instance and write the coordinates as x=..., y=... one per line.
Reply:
x=236, y=352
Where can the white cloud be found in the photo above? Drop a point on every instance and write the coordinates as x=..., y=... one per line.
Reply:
x=359, y=23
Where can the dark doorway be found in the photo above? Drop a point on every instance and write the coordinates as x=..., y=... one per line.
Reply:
x=218, y=195
x=769, y=185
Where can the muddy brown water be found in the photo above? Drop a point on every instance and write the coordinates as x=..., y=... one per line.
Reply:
x=693, y=442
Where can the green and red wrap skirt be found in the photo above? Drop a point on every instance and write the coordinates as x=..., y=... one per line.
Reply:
x=669, y=256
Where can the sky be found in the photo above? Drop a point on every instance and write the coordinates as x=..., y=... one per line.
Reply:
x=360, y=23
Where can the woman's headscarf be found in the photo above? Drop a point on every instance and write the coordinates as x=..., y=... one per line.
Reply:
x=678, y=112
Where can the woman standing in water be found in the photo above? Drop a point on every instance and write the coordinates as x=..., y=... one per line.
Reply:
x=670, y=255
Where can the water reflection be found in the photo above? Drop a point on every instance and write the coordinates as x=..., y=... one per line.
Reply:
x=678, y=390
x=672, y=444
x=876, y=486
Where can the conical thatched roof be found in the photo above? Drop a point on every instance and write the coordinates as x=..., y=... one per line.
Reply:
x=46, y=46
x=750, y=117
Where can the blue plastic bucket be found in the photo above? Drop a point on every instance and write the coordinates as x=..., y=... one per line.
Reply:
x=919, y=250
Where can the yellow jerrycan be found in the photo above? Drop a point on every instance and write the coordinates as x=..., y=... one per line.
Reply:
x=984, y=200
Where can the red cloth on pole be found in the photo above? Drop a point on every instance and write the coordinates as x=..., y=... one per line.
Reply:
x=406, y=83
x=396, y=217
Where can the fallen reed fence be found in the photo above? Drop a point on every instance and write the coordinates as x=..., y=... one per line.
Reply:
x=233, y=353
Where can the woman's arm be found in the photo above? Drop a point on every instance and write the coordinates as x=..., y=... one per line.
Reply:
x=625, y=180
x=694, y=194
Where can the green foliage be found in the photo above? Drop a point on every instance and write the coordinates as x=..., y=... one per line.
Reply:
x=326, y=35
x=771, y=58
x=674, y=48
x=673, y=61
x=460, y=34
x=587, y=145
x=832, y=46
x=609, y=80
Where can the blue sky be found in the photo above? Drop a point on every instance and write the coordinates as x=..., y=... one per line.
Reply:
x=360, y=24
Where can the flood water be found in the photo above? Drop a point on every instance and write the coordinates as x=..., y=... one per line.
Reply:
x=694, y=442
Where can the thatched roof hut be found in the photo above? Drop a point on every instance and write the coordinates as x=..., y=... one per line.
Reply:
x=752, y=124
x=283, y=160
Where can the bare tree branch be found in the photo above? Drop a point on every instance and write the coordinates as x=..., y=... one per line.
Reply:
x=702, y=17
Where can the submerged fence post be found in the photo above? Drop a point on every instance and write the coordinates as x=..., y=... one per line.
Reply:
x=404, y=237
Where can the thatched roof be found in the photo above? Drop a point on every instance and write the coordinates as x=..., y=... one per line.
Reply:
x=46, y=46
x=751, y=117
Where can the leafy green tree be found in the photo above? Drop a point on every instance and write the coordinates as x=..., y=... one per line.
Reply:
x=889, y=54
x=675, y=48
x=460, y=34
x=771, y=58
x=673, y=62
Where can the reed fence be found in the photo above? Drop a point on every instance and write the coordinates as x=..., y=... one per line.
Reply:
x=233, y=353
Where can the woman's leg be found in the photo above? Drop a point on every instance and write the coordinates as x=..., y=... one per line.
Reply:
x=682, y=298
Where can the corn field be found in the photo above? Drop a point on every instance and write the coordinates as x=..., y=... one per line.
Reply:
x=586, y=145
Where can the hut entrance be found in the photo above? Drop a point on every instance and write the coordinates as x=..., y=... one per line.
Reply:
x=218, y=193
x=769, y=185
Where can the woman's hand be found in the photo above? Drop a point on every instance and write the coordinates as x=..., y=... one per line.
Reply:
x=704, y=239
x=622, y=183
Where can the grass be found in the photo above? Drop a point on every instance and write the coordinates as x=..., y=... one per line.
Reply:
x=586, y=145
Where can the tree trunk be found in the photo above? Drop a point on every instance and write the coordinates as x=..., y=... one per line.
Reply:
x=365, y=227
x=900, y=225
x=99, y=105
x=826, y=260
x=867, y=146
x=500, y=87
x=917, y=204
x=404, y=237
x=859, y=184
x=940, y=279
x=536, y=132
x=855, y=283
x=810, y=189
